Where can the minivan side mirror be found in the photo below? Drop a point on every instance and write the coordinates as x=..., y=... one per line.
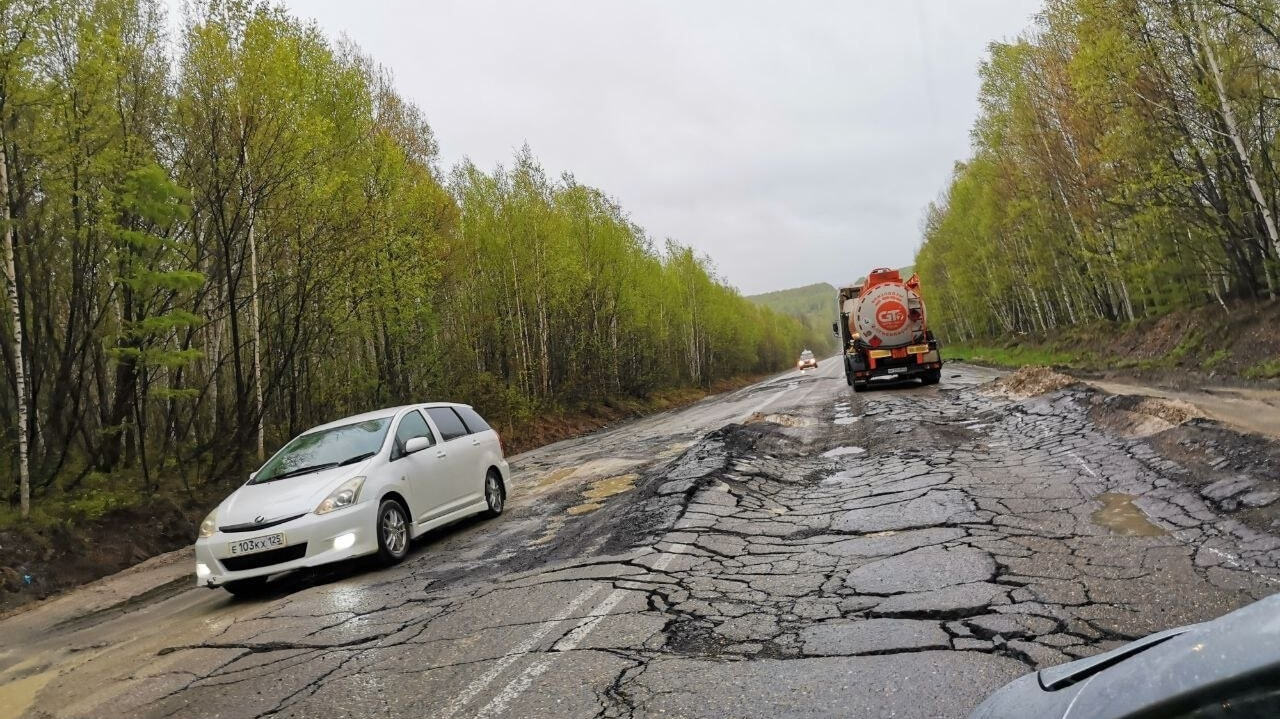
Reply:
x=253, y=476
x=416, y=444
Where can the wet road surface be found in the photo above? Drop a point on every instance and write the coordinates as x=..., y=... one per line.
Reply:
x=792, y=549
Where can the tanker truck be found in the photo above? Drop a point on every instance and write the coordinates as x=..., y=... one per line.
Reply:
x=883, y=332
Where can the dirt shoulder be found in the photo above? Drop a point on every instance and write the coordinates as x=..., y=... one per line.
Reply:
x=40, y=561
x=1237, y=347
x=1249, y=409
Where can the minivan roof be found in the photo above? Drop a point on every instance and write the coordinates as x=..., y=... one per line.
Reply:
x=379, y=414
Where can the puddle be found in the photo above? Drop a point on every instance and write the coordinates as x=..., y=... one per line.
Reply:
x=605, y=466
x=841, y=451
x=20, y=694
x=556, y=476
x=784, y=420
x=1122, y=516
x=844, y=414
x=602, y=489
x=836, y=480
x=674, y=449
x=610, y=486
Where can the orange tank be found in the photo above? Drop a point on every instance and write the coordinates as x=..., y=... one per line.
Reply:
x=888, y=312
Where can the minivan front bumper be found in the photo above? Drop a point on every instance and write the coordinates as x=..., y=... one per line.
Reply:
x=309, y=541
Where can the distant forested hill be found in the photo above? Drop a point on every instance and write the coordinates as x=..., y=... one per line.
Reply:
x=815, y=305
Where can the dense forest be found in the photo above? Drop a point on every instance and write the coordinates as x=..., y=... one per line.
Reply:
x=215, y=240
x=814, y=305
x=1125, y=164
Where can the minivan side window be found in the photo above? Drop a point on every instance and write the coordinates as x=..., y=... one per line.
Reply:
x=412, y=425
x=474, y=421
x=447, y=421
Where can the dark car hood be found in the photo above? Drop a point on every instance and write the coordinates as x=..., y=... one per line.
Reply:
x=1155, y=676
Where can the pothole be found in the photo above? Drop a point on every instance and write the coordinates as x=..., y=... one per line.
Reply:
x=1135, y=417
x=549, y=533
x=1120, y=515
x=553, y=477
x=844, y=414
x=784, y=420
x=602, y=489
x=674, y=449
x=837, y=480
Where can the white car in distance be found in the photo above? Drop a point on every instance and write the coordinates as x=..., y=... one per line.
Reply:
x=363, y=485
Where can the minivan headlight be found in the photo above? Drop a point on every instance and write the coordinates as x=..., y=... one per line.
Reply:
x=210, y=524
x=344, y=496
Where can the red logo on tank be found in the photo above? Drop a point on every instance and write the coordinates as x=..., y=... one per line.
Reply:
x=891, y=316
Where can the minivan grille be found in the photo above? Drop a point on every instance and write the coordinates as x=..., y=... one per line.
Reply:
x=265, y=559
x=252, y=527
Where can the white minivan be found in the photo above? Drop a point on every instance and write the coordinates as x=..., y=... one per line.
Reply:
x=363, y=485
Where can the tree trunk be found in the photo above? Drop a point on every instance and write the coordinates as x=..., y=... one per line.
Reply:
x=19, y=372
x=1233, y=130
x=257, y=335
x=257, y=322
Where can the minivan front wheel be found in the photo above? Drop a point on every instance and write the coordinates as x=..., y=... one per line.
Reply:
x=495, y=494
x=393, y=532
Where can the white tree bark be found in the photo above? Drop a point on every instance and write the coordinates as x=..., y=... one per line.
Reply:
x=257, y=332
x=20, y=376
x=257, y=323
x=1229, y=119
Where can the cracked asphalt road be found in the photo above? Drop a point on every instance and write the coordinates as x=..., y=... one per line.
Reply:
x=792, y=549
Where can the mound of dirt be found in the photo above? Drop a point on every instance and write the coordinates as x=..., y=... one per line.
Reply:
x=1030, y=381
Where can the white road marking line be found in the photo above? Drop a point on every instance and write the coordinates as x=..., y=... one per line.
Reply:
x=570, y=641
x=1229, y=559
x=478, y=685
x=1082, y=464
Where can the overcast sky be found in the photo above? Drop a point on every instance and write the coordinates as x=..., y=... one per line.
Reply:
x=793, y=142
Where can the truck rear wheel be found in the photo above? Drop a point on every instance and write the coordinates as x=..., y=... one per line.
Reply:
x=932, y=377
x=859, y=386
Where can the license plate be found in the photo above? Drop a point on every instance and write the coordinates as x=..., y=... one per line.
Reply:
x=897, y=370
x=257, y=544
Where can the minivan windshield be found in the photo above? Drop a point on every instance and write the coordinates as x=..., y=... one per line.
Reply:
x=325, y=449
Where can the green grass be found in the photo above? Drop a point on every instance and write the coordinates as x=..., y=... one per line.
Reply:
x=1143, y=363
x=96, y=496
x=1264, y=370
x=1215, y=359
x=1012, y=356
x=1191, y=342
